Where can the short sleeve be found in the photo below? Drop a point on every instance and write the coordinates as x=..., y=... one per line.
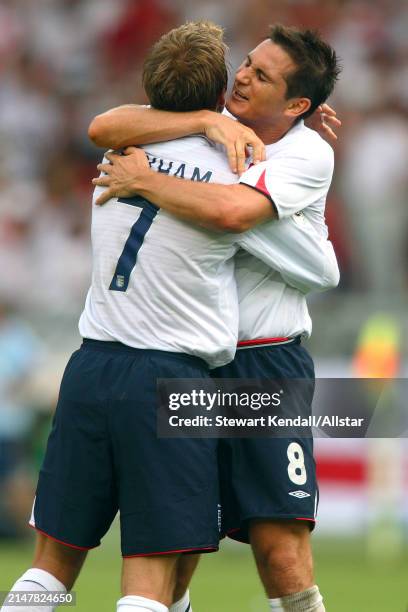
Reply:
x=294, y=179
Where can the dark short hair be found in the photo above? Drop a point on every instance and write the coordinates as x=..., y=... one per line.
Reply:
x=317, y=65
x=185, y=70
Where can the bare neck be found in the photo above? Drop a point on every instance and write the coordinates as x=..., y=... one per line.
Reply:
x=272, y=132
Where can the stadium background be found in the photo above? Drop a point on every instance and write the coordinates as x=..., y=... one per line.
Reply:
x=63, y=61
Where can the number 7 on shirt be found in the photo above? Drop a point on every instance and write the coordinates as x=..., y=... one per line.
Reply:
x=128, y=257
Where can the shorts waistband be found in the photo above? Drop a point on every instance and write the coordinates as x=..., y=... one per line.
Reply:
x=107, y=345
x=261, y=342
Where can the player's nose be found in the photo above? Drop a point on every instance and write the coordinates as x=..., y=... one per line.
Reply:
x=243, y=75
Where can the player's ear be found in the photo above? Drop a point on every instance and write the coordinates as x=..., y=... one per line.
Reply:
x=297, y=106
x=221, y=101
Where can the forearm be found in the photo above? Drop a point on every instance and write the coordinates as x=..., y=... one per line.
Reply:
x=233, y=208
x=318, y=272
x=304, y=258
x=214, y=206
x=134, y=125
x=201, y=204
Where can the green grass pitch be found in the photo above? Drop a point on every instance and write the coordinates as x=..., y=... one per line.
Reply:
x=227, y=581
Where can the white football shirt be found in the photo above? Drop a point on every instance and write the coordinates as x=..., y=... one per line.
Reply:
x=163, y=284
x=296, y=177
x=157, y=282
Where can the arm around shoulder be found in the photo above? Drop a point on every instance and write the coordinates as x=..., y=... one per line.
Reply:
x=133, y=124
x=118, y=126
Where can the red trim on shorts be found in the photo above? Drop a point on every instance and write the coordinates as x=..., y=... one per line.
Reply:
x=60, y=541
x=170, y=552
x=233, y=530
x=305, y=519
x=262, y=341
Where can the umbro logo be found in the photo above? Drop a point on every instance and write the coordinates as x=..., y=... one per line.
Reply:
x=299, y=494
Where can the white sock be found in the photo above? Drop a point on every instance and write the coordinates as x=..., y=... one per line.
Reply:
x=183, y=604
x=35, y=580
x=306, y=601
x=134, y=603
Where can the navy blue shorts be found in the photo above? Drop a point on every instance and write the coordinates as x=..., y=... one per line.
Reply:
x=268, y=478
x=103, y=455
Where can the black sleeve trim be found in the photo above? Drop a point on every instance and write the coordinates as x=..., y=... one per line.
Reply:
x=267, y=196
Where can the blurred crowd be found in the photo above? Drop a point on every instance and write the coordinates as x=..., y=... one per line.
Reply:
x=62, y=62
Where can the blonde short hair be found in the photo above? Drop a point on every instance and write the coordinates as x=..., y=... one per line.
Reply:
x=185, y=70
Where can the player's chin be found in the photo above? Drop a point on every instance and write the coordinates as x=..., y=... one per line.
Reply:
x=237, y=106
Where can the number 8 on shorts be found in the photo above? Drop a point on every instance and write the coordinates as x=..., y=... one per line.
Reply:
x=296, y=467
